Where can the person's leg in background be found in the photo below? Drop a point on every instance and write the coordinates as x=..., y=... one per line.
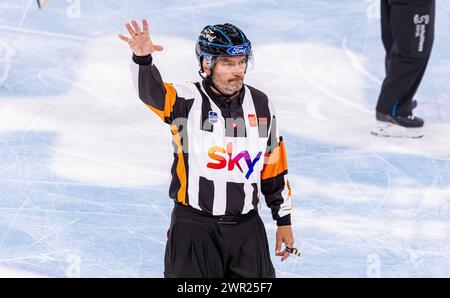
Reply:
x=386, y=33
x=425, y=43
x=411, y=25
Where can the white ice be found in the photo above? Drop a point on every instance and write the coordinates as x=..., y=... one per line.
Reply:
x=84, y=165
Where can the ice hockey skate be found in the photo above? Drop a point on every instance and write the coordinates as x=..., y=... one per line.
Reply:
x=398, y=127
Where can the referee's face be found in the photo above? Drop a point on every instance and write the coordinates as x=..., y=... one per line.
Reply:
x=229, y=73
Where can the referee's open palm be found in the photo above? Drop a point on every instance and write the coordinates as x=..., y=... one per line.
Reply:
x=140, y=41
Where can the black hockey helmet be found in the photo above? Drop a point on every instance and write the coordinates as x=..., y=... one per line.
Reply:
x=222, y=40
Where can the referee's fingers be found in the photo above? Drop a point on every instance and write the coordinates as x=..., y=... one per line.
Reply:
x=290, y=243
x=130, y=30
x=285, y=256
x=278, y=251
x=124, y=38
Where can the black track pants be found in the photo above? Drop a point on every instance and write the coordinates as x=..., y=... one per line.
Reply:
x=408, y=33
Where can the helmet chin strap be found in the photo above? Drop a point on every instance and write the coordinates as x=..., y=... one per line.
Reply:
x=200, y=73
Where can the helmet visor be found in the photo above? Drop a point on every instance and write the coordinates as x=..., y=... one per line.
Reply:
x=229, y=64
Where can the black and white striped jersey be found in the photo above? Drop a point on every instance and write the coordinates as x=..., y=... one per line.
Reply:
x=227, y=154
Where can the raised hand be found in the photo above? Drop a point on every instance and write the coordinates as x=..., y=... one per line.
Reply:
x=140, y=42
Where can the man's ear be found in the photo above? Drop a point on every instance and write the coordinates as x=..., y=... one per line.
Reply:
x=206, y=69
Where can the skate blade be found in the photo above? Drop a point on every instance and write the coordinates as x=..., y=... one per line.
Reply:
x=390, y=130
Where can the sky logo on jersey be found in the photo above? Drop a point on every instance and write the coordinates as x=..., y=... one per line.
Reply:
x=238, y=50
x=221, y=161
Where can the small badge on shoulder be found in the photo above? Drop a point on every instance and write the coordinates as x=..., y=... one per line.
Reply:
x=213, y=117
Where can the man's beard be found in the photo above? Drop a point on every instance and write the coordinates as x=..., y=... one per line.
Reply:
x=231, y=87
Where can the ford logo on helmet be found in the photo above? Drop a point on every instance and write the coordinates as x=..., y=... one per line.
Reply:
x=238, y=50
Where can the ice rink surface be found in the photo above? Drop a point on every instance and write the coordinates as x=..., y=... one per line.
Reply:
x=84, y=165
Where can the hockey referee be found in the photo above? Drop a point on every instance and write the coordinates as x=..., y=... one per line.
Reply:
x=408, y=34
x=227, y=154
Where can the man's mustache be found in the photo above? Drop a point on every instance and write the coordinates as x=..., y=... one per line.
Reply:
x=240, y=79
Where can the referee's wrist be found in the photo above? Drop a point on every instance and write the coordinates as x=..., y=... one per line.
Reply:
x=143, y=60
x=284, y=221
